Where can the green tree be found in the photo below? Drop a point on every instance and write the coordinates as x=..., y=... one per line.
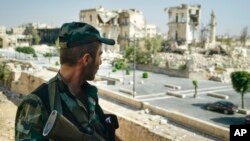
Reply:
x=26, y=50
x=48, y=55
x=144, y=56
x=35, y=36
x=195, y=84
x=129, y=53
x=153, y=46
x=121, y=64
x=241, y=83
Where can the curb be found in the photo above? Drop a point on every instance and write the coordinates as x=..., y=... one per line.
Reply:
x=173, y=86
x=176, y=94
x=243, y=111
x=218, y=95
x=120, y=97
x=126, y=91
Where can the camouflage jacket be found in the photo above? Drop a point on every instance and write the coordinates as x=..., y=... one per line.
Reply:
x=34, y=110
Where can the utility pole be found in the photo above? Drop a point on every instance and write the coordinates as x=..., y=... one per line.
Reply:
x=134, y=67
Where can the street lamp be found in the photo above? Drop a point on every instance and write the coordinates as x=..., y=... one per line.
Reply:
x=134, y=67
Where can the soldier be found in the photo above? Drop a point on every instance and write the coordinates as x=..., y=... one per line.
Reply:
x=68, y=92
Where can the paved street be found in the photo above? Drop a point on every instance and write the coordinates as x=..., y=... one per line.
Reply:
x=153, y=91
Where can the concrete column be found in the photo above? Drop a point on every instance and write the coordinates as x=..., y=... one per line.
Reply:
x=212, y=28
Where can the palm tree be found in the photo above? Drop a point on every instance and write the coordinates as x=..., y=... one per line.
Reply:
x=195, y=83
x=241, y=83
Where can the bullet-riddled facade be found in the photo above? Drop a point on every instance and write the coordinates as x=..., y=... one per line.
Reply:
x=132, y=23
x=183, y=22
x=132, y=26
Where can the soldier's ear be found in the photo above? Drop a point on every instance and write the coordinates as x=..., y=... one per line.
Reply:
x=86, y=59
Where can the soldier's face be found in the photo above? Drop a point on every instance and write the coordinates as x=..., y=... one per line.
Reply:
x=94, y=64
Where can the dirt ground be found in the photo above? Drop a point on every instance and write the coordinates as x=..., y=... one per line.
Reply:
x=8, y=109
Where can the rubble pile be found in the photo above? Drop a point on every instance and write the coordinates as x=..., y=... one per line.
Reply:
x=217, y=67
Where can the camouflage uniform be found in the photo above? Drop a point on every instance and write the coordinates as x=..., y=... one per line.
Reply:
x=34, y=110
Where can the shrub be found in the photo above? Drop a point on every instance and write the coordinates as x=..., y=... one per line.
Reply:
x=47, y=54
x=34, y=55
x=57, y=64
x=118, y=65
x=127, y=72
x=145, y=75
x=114, y=70
x=26, y=50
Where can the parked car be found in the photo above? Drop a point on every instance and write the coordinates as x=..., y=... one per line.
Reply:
x=247, y=119
x=225, y=107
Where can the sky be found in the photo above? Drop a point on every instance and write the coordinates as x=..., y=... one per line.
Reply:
x=232, y=15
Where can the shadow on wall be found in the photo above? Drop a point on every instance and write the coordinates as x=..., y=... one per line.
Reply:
x=11, y=96
x=229, y=120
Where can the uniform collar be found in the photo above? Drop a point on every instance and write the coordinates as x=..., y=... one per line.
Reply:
x=63, y=87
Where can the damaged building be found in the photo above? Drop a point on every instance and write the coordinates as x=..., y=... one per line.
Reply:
x=48, y=35
x=132, y=26
x=125, y=26
x=183, y=22
x=104, y=20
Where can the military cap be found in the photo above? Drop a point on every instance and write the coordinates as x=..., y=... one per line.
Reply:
x=77, y=33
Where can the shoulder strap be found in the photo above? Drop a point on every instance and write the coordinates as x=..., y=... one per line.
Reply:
x=78, y=110
x=54, y=97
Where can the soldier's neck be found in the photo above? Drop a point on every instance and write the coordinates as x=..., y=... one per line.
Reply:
x=71, y=77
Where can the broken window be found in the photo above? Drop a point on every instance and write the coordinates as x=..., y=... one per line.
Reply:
x=176, y=35
x=126, y=21
x=194, y=15
x=176, y=18
x=1, y=43
x=182, y=17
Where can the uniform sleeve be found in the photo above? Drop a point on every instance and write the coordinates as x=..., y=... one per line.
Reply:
x=30, y=119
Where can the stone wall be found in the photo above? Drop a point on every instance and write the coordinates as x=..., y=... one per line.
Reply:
x=26, y=83
x=133, y=131
x=172, y=72
x=22, y=77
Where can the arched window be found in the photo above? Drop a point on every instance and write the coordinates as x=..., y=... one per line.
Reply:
x=176, y=35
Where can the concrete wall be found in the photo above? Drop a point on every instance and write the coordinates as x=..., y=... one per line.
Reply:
x=194, y=123
x=133, y=131
x=172, y=72
x=26, y=83
x=3, y=41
